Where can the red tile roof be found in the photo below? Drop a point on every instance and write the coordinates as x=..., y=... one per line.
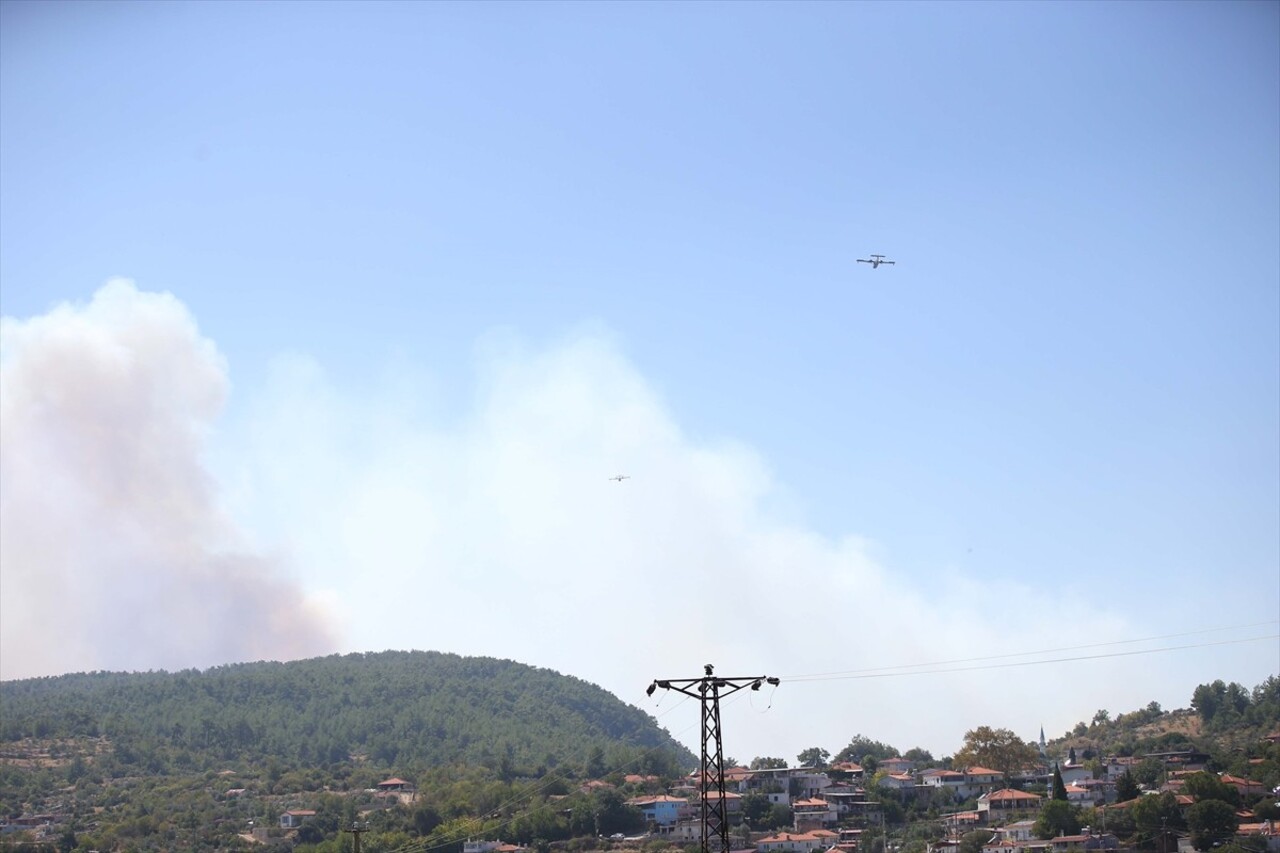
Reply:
x=1009, y=794
x=982, y=771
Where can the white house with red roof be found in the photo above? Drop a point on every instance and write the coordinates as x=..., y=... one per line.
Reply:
x=897, y=781
x=1078, y=795
x=1247, y=787
x=794, y=842
x=294, y=818
x=813, y=813
x=1007, y=801
x=394, y=784
x=896, y=765
x=1268, y=831
x=849, y=768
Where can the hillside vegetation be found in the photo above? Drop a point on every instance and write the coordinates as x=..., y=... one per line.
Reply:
x=1226, y=721
x=393, y=709
x=205, y=760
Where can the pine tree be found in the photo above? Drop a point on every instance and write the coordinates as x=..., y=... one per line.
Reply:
x=1059, y=789
x=1127, y=787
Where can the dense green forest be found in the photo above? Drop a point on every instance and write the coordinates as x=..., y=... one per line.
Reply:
x=492, y=749
x=412, y=710
x=147, y=759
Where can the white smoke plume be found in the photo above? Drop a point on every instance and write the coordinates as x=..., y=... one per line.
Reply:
x=489, y=526
x=493, y=529
x=114, y=553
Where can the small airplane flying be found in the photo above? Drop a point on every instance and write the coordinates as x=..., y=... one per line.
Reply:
x=874, y=260
x=620, y=477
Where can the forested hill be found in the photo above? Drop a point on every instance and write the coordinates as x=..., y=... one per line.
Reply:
x=394, y=709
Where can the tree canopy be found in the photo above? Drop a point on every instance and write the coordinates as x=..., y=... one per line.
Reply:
x=1211, y=822
x=861, y=748
x=1057, y=817
x=1059, y=788
x=814, y=756
x=396, y=708
x=997, y=749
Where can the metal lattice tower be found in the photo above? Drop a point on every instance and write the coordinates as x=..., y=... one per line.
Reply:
x=356, y=829
x=707, y=690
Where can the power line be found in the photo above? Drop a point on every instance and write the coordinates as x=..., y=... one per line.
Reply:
x=708, y=690
x=425, y=845
x=917, y=669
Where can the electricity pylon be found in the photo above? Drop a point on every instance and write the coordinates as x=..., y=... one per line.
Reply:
x=707, y=690
x=355, y=829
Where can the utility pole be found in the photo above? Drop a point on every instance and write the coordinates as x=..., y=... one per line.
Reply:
x=707, y=690
x=355, y=829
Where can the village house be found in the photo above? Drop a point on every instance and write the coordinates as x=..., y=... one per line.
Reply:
x=898, y=782
x=732, y=803
x=1020, y=831
x=470, y=846
x=661, y=810
x=809, y=783
x=395, y=790
x=1007, y=843
x=851, y=805
x=1072, y=773
x=896, y=765
x=847, y=770
x=1100, y=790
x=999, y=845
x=1267, y=831
x=966, y=783
x=794, y=842
x=958, y=823
x=1087, y=841
x=1247, y=787
x=936, y=777
x=1115, y=766
x=638, y=779
x=813, y=813
x=1079, y=796
x=780, y=784
x=294, y=818
x=1182, y=759
x=30, y=823
x=684, y=832
x=998, y=806
x=847, y=839
x=774, y=783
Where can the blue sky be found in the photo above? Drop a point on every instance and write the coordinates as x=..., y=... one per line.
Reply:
x=435, y=271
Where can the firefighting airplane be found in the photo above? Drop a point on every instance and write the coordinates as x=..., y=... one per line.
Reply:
x=874, y=260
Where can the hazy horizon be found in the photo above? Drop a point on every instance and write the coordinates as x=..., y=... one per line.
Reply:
x=325, y=327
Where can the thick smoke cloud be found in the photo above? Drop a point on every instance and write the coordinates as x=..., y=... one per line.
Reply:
x=114, y=553
x=490, y=527
x=487, y=525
